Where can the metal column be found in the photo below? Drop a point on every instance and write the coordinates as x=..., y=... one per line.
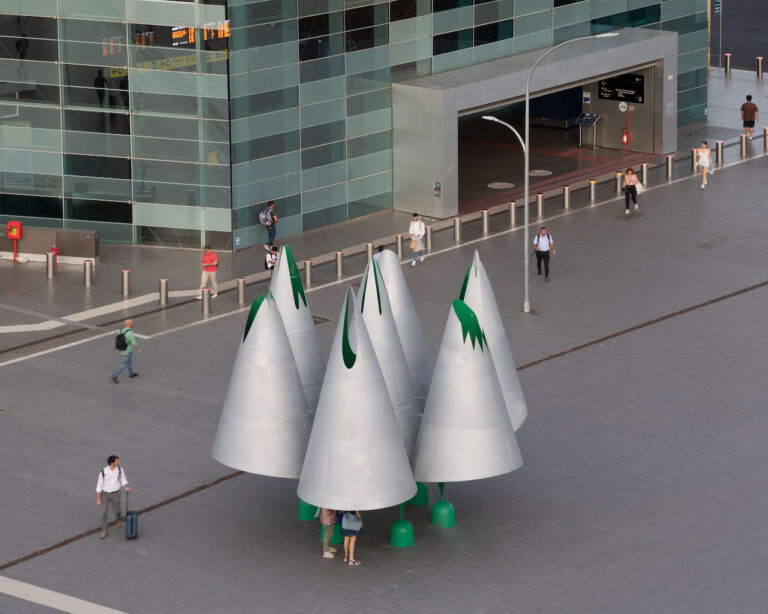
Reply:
x=307, y=273
x=368, y=251
x=539, y=205
x=619, y=177
x=512, y=212
x=693, y=160
x=428, y=236
x=592, y=190
x=163, y=292
x=126, y=282
x=727, y=57
x=339, y=265
x=457, y=230
x=765, y=140
x=241, y=291
x=719, y=152
x=759, y=67
x=399, y=246
x=50, y=267
x=206, y=302
x=644, y=174
x=485, y=222
x=743, y=146
x=87, y=273
x=566, y=197
x=670, y=159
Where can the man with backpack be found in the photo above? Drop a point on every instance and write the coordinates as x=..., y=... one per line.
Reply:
x=125, y=343
x=543, y=244
x=111, y=480
x=268, y=218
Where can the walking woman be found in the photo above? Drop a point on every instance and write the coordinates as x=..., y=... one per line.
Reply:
x=351, y=523
x=630, y=188
x=417, y=230
x=704, y=162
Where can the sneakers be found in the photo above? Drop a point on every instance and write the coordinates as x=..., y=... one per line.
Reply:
x=413, y=263
x=114, y=379
x=103, y=535
x=214, y=295
x=199, y=298
x=636, y=207
x=626, y=211
x=354, y=563
x=703, y=185
x=133, y=375
x=546, y=278
x=332, y=549
x=421, y=259
x=329, y=555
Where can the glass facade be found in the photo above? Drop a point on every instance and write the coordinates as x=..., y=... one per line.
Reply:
x=173, y=122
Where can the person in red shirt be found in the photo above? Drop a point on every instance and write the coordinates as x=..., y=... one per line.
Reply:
x=210, y=263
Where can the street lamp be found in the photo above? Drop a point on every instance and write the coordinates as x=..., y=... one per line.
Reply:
x=527, y=158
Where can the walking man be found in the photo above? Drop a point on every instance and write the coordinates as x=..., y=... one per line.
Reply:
x=111, y=479
x=543, y=244
x=328, y=519
x=210, y=264
x=268, y=218
x=417, y=230
x=126, y=346
x=749, y=116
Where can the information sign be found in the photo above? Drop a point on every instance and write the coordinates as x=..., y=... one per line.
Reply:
x=629, y=87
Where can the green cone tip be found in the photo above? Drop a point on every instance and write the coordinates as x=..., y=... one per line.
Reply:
x=296, y=286
x=252, y=313
x=346, y=349
x=469, y=324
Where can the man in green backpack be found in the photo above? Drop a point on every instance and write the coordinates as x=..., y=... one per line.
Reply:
x=125, y=343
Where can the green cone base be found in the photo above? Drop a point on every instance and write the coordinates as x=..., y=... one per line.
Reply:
x=401, y=534
x=421, y=498
x=443, y=515
x=306, y=511
x=336, y=538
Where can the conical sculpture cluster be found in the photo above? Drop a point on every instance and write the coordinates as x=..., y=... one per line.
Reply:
x=288, y=291
x=355, y=459
x=264, y=428
x=478, y=294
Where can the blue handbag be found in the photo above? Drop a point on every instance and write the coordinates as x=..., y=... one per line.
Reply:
x=350, y=522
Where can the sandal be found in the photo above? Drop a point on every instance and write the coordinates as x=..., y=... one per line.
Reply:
x=345, y=559
x=354, y=562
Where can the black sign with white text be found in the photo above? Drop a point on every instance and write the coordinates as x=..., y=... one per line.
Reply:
x=629, y=88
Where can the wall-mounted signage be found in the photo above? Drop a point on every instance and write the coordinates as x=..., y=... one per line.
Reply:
x=629, y=88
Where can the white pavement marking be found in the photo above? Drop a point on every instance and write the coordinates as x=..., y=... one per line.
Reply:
x=51, y=599
x=56, y=349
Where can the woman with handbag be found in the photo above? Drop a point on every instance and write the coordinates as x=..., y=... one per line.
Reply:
x=351, y=523
x=417, y=232
x=632, y=187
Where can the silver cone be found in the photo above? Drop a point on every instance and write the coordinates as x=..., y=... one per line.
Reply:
x=355, y=458
x=478, y=294
x=377, y=314
x=465, y=432
x=264, y=425
x=407, y=323
x=289, y=295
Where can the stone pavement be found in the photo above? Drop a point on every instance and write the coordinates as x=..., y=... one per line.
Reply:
x=643, y=489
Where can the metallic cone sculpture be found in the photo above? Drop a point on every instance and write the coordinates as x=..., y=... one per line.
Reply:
x=377, y=315
x=478, y=294
x=465, y=432
x=289, y=295
x=355, y=458
x=264, y=428
x=408, y=328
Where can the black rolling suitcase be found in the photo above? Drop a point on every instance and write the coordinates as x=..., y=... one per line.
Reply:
x=131, y=520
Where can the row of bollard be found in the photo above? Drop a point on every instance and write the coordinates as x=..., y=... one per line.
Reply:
x=728, y=57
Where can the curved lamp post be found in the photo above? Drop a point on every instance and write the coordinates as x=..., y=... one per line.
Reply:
x=525, y=144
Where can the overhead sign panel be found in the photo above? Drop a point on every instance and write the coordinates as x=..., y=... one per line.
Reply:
x=629, y=87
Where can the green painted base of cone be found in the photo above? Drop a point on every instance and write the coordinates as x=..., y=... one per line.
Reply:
x=306, y=511
x=336, y=538
x=401, y=534
x=443, y=515
x=421, y=498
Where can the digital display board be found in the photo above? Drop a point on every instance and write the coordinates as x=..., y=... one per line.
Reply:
x=185, y=35
x=182, y=35
x=628, y=88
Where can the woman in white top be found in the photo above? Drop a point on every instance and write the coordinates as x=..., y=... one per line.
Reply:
x=630, y=188
x=704, y=162
x=417, y=232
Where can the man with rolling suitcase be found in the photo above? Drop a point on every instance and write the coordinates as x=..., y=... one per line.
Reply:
x=111, y=480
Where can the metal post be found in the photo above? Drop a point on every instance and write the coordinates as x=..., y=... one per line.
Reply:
x=339, y=265
x=592, y=190
x=539, y=205
x=307, y=273
x=719, y=152
x=429, y=238
x=206, y=302
x=163, y=292
x=87, y=273
x=485, y=222
x=126, y=282
x=399, y=246
x=644, y=174
x=512, y=214
x=743, y=145
x=50, y=267
x=727, y=63
x=759, y=67
x=693, y=160
x=240, y=291
x=566, y=197
x=670, y=159
x=765, y=140
x=619, y=178
x=457, y=230
x=368, y=251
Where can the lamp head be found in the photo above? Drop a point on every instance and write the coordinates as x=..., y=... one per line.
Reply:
x=606, y=35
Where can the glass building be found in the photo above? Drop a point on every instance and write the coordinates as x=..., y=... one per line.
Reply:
x=172, y=122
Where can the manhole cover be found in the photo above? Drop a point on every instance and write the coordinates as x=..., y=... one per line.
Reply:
x=540, y=173
x=501, y=185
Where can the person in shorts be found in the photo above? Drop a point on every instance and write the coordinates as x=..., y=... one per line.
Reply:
x=350, y=539
x=749, y=116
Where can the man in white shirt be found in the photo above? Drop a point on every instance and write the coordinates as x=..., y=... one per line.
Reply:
x=543, y=244
x=111, y=479
x=417, y=230
x=270, y=260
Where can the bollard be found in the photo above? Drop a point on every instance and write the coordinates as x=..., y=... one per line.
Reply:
x=727, y=63
x=429, y=238
x=368, y=251
x=743, y=145
x=457, y=230
x=240, y=291
x=693, y=160
x=592, y=190
x=339, y=264
x=759, y=67
x=126, y=282
x=50, y=266
x=163, y=292
x=485, y=222
x=719, y=152
x=307, y=273
x=566, y=197
x=399, y=246
x=765, y=140
x=619, y=182
x=512, y=214
x=206, y=302
x=670, y=159
x=87, y=273
x=539, y=205
x=644, y=174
